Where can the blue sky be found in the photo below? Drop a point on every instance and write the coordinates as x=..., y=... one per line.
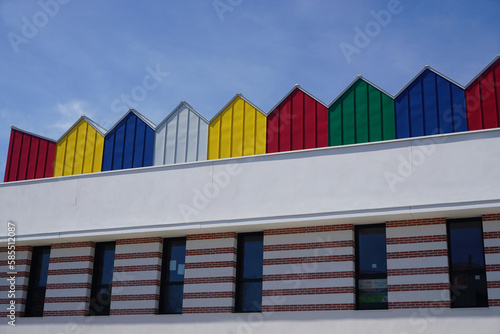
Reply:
x=64, y=58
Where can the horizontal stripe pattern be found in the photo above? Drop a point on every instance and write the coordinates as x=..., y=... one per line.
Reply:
x=136, y=276
x=308, y=269
x=210, y=273
x=491, y=232
x=417, y=263
x=69, y=279
x=22, y=269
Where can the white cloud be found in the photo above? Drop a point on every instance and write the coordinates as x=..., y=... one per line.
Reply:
x=69, y=112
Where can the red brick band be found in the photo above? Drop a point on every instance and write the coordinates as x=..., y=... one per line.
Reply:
x=74, y=299
x=309, y=229
x=491, y=235
x=308, y=291
x=415, y=240
x=17, y=249
x=493, y=267
x=207, y=280
x=493, y=302
x=311, y=245
x=421, y=304
x=62, y=313
x=211, y=251
x=217, y=309
x=420, y=253
x=309, y=259
x=150, y=267
x=204, y=295
x=134, y=297
x=137, y=283
x=73, y=245
x=307, y=307
x=491, y=217
x=69, y=286
x=207, y=236
x=417, y=271
x=314, y=275
x=493, y=284
x=216, y=264
x=134, y=241
x=492, y=250
x=64, y=259
x=19, y=262
x=415, y=222
x=143, y=255
x=134, y=311
x=74, y=271
x=419, y=287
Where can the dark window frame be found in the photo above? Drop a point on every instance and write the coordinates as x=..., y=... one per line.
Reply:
x=95, y=307
x=358, y=275
x=34, y=290
x=452, y=272
x=165, y=273
x=240, y=280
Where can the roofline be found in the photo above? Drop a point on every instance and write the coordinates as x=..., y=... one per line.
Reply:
x=483, y=70
x=231, y=101
x=422, y=71
x=32, y=134
x=296, y=86
x=359, y=77
x=182, y=103
x=96, y=126
x=138, y=114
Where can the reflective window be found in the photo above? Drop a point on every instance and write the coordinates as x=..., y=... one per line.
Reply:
x=37, y=281
x=371, y=267
x=249, y=272
x=102, y=278
x=468, y=285
x=172, y=277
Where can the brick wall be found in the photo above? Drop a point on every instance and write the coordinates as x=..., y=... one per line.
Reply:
x=136, y=276
x=417, y=264
x=22, y=268
x=308, y=269
x=210, y=273
x=491, y=234
x=69, y=279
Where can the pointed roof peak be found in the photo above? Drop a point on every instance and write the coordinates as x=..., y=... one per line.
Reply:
x=93, y=124
x=294, y=88
x=177, y=108
x=359, y=77
x=238, y=95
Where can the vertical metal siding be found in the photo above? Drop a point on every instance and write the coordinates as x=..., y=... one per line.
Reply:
x=238, y=130
x=483, y=99
x=431, y=104
x=79, y=151
x=29, y=157
x=298, y=122
x=363, y=113
x=181, y=137
x=129, y=144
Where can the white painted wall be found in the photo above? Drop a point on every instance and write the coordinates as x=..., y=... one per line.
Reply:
x=455, y=175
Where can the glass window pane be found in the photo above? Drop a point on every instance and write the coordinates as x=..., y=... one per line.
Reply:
x=35, y=297
x=44, y=267
x=173, y=304
x=468, y=289
x=466, y=239
x=177, y=262
x=253, y=257
x=102, y=279
x=251, y=297
x=108, y=261
x=372, y=252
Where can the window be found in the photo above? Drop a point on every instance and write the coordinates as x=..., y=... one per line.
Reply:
x=37, y=282
x=102, y=278
x=249, y=272
x=466, y=263
x=371, y=267
x=172, y=276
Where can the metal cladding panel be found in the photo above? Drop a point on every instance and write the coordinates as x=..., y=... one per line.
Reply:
x=483, y=99
x=298, y=122
x=130, y=144
x=182, y=137
x=431, y=104
x=238, y=130
x=363, y=113
x=29, y=157
x=79, y=151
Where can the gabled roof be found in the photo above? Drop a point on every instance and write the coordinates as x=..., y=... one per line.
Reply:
x=231, y=101
x=96, y=126
x=295, y=87
x=359, y=77
x=138, y=114
x=31, y=133
x=427, y=67
x=179, y=106
x=483, y=70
